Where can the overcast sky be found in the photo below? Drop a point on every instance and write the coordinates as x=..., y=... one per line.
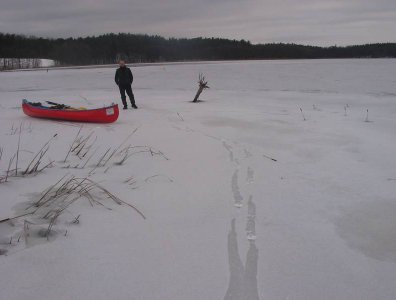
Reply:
x=314, y=22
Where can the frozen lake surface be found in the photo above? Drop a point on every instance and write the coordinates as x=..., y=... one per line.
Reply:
x=224, y=220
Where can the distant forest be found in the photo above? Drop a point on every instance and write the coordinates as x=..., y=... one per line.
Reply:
x=108, y=48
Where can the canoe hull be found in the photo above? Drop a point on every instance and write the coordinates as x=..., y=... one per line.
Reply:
x=101, y=115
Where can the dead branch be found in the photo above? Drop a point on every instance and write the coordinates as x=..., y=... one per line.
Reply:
x=202, y=85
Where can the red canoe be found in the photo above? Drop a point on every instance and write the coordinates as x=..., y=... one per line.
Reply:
x=100, y=115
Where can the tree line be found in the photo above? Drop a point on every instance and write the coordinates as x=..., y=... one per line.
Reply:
x=109, y=48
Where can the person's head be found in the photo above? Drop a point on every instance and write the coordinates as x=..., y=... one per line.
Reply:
x=121, y=63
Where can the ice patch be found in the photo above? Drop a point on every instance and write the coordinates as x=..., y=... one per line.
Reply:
x=370, y=228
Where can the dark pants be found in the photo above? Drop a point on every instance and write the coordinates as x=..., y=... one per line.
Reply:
x=128, y=90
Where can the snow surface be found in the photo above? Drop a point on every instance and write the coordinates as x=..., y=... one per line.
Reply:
x=224, y=221
x=44, y=63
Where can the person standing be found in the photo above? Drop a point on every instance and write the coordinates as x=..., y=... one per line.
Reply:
x=124, y=78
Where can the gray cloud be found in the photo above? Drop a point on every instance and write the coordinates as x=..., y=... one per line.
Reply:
x=320, y=22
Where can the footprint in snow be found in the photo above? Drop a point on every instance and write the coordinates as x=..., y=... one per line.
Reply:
x=250, y=175
x=235, y=190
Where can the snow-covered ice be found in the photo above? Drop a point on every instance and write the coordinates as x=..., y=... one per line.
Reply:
x=224, y=220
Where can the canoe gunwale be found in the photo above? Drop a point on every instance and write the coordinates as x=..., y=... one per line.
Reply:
x=68, y=110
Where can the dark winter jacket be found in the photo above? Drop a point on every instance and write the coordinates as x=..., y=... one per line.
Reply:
x=123, y=76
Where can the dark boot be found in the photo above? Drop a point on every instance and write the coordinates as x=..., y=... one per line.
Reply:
x=124, y=103
x=132, y=99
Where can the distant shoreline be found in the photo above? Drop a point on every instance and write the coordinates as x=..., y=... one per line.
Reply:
x=172, y=63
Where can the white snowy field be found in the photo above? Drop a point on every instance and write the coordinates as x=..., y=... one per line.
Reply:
x=223, y=220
